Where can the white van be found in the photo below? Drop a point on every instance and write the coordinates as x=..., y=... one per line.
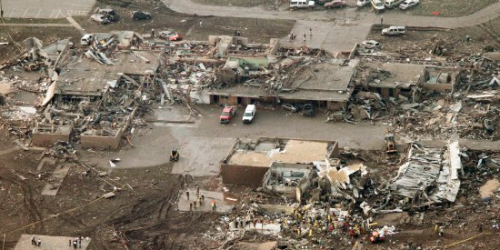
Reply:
x=378, y=5
x=390, y=4
x=249, y=114
x=394, y=31
x=87, y=39
x=301, y=4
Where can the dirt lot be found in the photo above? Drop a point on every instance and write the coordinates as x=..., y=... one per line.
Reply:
x=256, y=30
x=142, y=215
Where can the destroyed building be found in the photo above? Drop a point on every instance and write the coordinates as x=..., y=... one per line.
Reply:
x=326, y=83
x=102, y=103
x=429, y=175
x=390, y=79
x=440, y=79
x=249, y=160
x=291, y=180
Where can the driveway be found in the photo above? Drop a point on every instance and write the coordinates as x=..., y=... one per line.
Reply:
x=46, y=8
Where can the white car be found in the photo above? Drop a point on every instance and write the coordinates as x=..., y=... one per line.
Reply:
x=389, y=4
x=408, y=4
x=362, y=3
x=394, y=31
x=378, y=5
x=370, y=44
x=100, y=19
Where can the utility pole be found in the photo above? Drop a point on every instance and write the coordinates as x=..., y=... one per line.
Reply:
x=1, y=10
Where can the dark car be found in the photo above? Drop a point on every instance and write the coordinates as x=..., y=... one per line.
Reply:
x=141, y=15
x=308, y=110
x=227, y=114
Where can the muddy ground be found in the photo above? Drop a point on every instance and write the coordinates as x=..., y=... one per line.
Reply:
x=143, y=214
x=258, y=31
x=417, y=43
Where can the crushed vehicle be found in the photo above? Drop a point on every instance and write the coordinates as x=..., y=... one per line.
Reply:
x=141, y=15
x=87, y=39
x=336, y=4
x=378, y=5
x=370, y=44
x=100, y=19
x=170, y=35
x=301, y=4
x=309, y=110
x=110, y=14
x=227, y=114
x=390, y=4
x=394, y=31
x=362, y=3
x=407, y=4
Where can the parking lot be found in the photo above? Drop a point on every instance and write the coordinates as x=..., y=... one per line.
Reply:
x=46, y=8
x=199, y=140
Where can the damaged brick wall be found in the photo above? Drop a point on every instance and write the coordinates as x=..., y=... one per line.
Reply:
x=47, y=140
x=242, y=175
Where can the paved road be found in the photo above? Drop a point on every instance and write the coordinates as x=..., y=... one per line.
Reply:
x=349, y=15
x=37, y=24
x=46, y=8
x=334, y=30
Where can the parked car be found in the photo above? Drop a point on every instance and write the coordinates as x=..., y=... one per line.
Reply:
x=291, y=107
x=227, y=114
x=394, y=31
x=141, y=15
x=370, y=44
x=301, y=4
x=99, y=18
x=336, y=4
x=389, y=4
x=362, y=3
x=108, y=13
x=378, y=5
x=309, y=110
x=249, y=114
x=407, y=4
x=170, y=35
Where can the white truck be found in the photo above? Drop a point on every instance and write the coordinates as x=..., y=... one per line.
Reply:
x=301, y=4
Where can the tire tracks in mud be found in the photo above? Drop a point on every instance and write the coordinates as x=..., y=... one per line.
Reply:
x=149, y=219
x=28, y=201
